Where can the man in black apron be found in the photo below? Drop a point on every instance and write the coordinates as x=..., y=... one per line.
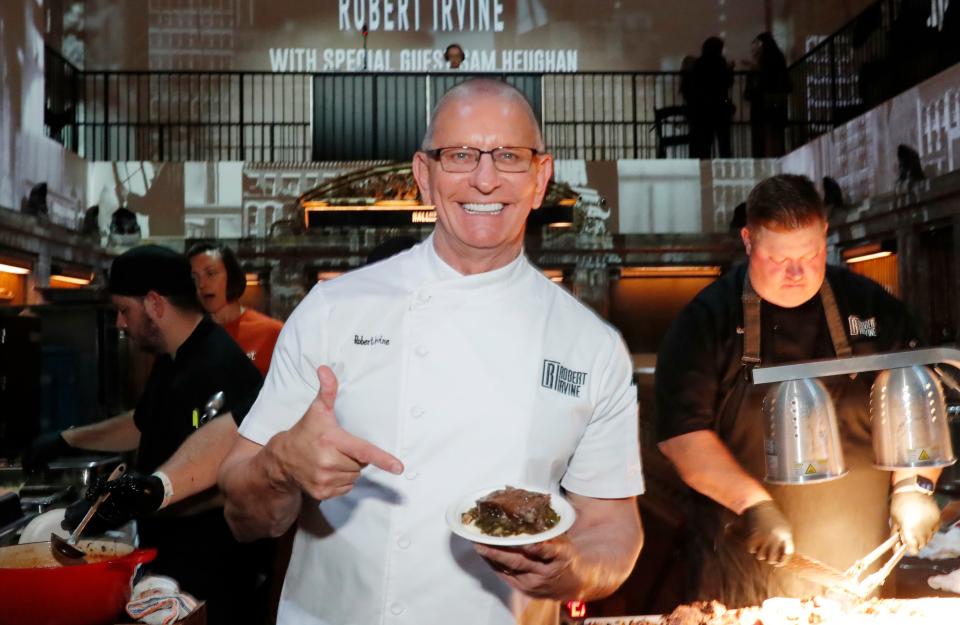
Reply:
x=171, y=490
x=784, y=305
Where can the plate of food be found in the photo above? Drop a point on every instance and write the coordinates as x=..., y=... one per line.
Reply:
x=510, y=516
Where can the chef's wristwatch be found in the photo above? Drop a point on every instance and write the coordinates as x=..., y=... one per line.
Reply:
x=914, y=484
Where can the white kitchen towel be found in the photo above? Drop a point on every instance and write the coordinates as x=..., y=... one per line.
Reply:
x=158, y=600
x=950, y=581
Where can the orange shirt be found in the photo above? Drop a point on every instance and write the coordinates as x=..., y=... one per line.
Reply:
x=256, y=334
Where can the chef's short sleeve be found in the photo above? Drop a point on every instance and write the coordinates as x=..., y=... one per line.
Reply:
x=687, y=379
x=606, y=463
x=291, y=383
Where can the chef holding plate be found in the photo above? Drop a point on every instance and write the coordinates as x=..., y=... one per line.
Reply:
x=402, y=392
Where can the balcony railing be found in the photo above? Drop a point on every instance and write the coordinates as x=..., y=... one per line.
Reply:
x=889, y=47
x=256, y=116
x=262, y=116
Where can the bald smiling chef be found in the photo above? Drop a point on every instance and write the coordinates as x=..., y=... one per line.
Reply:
x=449, y=356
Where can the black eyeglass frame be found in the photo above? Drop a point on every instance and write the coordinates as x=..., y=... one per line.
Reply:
x=435, y=155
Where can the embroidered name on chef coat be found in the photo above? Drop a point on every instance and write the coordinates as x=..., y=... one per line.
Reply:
x=862, y=327
x=359, y=339
x=556, y=377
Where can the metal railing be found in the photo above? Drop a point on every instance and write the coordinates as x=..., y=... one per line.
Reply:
x=889, y=47
x=262, y=116
x=180, y=116
x=254, y=116
x=609, y=116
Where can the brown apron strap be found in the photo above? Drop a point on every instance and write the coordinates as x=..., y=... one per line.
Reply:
x=838, y=332
x=751, y=323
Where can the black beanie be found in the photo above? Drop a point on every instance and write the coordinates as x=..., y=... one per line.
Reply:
x=150, y=268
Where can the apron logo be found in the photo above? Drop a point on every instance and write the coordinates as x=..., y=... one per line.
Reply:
x=862, y=327
x=556, y=377
x=359, y=339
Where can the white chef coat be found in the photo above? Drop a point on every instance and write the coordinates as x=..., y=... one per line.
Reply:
x=472, y=381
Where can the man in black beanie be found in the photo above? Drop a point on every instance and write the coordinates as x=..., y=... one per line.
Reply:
x=180, y=440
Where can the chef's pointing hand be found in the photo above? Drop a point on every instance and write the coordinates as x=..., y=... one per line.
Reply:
x=321, y=457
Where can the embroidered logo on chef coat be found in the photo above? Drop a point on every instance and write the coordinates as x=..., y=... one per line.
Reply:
x=862, y=327
x=359, y=339
x=556, y=377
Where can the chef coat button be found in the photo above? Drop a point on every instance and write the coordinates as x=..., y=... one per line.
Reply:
x=416, y=412
x=403, y=542
x=410, y=475
x=423, y=298
x=396, y=608
x=421, y=350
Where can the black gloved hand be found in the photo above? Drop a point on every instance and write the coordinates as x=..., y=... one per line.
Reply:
x=916, y=516
x=42, y=450
x=767, y=533
x=75, y=513
x=132, y=495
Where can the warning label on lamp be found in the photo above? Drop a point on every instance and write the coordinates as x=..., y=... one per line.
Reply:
x=922, y=454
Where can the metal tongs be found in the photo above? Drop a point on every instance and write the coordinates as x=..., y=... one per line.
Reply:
x=871, y=582
x=850, y=581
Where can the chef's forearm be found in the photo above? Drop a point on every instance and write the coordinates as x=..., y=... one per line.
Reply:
x=707, y=466
x=607, y=537
x=259, y=501
x=118, y=433
x=194, y=467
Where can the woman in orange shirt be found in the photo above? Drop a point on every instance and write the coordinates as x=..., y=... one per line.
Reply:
x=220, y=284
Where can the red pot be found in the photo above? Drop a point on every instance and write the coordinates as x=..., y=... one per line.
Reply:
x=35, y=589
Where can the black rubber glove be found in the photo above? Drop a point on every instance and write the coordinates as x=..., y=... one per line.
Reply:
x=75, y=513
x=132, y=495
x=916, y=516
x=767, y=533
x=42, y=450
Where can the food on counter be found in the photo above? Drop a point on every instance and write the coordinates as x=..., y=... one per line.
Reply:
x=703, y=613
x=816, y=611
x=943, y=545
x=39, y=555
x=511, y=511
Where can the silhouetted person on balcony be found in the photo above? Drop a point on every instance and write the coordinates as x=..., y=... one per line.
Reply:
x=950, y=35
x=710, y=106
x=833, y=195
x=687, y=93
x=767, y=89
x=909, y=168
x=912, y=46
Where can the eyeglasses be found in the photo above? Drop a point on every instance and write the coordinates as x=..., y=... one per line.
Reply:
x=464, y=159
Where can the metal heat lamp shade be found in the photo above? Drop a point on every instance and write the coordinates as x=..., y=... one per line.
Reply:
x=910, y=427
x=801, y=437
x=907, y=430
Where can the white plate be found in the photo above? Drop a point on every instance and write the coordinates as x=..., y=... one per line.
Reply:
x=456, y=509
x=39, y=529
